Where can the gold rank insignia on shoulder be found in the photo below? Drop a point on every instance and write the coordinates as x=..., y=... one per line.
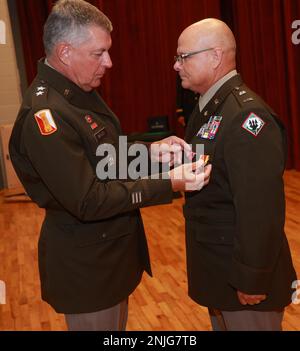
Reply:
x=253, y=124
x=45, y=122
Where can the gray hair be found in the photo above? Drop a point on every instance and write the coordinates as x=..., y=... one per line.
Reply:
x=69, y=21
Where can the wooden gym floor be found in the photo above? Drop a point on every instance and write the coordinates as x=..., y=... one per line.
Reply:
x=159, y=303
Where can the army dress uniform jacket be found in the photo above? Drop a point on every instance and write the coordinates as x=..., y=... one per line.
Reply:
x=235, y=225
x=92, y=247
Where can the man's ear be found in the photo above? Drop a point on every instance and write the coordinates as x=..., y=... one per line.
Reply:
x=63, y=52
x=217, y=56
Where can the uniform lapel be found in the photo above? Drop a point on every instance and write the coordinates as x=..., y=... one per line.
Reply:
x=211, y=108
x=216, y=101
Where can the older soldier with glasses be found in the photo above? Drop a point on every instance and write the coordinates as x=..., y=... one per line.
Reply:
x=238, y=258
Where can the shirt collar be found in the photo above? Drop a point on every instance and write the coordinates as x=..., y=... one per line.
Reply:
x=48, y=64
x=213, y=89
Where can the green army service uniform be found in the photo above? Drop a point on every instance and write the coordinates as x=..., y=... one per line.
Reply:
x=235, y=225
x=92, y=247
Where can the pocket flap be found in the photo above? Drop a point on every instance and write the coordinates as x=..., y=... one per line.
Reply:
x=95, y=233
x=217, y=235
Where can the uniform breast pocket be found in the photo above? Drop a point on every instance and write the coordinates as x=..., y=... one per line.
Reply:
x=100, y=138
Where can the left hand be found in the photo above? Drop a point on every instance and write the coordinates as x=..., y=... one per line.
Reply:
x=170, y=150
x=246, y=299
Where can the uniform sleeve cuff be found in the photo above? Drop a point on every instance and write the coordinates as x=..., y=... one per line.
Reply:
x=158, y=191
x=248, y=279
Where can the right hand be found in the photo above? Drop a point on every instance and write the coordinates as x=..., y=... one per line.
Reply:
x=246, y=299
x=190, y=176
x=170, y=150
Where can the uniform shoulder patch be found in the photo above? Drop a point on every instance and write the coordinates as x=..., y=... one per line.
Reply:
x=253, y=124
x=45, y=122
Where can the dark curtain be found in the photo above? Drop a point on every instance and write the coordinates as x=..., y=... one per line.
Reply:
x=269, y=61
x=142, y=82
x=32, y=16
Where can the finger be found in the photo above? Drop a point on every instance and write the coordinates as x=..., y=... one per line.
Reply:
x=164, y=147
x=184, y=145
x=206, y=181
x=262, y=297
x=200, y=182
x=198, y=166
x=175, y=148
x=207, y=175
x=189, y=154
x=196, y=182
x=177, y=157
x=168, y=152
x=241, y=298
x=207, y=171
x=183, y=172
x=166, y=157
x=257, y=298
x=252, y=301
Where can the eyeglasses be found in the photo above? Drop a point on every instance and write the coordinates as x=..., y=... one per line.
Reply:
x=180, y=58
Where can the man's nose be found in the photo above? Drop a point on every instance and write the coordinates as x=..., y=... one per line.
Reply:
x=176, y=66
x=107, y=60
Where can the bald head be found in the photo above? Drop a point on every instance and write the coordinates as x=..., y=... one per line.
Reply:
x=205, y=67
x=211, y=32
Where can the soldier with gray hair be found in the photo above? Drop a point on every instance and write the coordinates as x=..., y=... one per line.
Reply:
x=92, y=247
